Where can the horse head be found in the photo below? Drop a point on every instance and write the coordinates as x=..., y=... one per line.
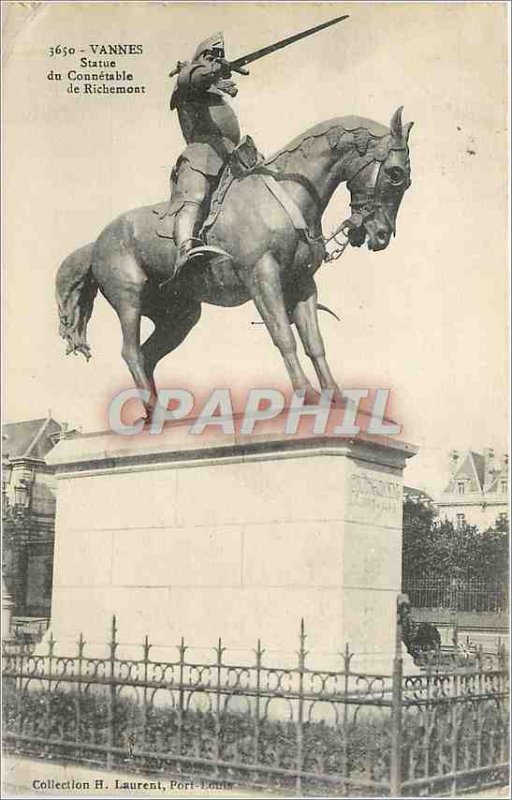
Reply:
x=377, y=182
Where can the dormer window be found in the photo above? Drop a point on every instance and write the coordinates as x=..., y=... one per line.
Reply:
x=461, y=487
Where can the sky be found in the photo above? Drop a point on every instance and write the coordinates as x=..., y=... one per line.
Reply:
x=427, y=317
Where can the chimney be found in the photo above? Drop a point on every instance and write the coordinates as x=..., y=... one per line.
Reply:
x=454, y=461
x=489, y=465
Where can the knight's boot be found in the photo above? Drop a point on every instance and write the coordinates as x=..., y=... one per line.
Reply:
x=189, y=246
x=184, y=227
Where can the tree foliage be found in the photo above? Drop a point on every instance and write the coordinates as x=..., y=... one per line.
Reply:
x=432, y=548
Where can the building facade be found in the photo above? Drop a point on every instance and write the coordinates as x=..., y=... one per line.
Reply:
x=478, y=490
x=28, y=514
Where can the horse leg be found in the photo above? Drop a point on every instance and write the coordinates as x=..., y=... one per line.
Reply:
x=266, y=291
x=305, y=316
x=128, y=310
x=170, y=330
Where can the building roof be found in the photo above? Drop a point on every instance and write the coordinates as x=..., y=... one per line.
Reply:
x=498, y=477
x=479, y=467
x=481, y=474
x=411, y=493
x=471, y=468
x=31, y=438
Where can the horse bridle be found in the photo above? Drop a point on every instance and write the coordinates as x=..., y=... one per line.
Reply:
x=364, y=204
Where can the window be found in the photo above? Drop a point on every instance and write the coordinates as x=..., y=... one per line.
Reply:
x=461, y=487
x=461, y=519
x=503, y=486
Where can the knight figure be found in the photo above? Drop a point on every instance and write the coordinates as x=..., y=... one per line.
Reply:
x=211, y=131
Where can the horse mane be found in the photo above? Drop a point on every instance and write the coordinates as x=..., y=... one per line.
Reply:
x=334, y=128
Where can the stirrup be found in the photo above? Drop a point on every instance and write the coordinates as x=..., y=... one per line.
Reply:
x=196, y=252
x=206, y=250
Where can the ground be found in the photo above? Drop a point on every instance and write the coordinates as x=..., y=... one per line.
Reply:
x=18, y=775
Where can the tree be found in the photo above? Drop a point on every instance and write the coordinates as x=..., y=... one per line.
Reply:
x=432, y=548
x=493, y=553
x=418, y=545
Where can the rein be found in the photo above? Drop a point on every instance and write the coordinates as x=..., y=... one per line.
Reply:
x=363, y=204
x=295, y=177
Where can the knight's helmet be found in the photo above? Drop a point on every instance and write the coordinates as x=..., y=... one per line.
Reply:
x=214, y=43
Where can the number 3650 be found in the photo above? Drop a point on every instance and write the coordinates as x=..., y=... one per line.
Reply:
x=61, y=50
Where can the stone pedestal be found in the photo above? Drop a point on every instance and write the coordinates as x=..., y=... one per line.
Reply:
x=234, y=537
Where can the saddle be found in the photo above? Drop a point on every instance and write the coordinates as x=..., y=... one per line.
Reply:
x=241, y=161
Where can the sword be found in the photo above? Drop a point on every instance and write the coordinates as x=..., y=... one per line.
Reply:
x=239, y=63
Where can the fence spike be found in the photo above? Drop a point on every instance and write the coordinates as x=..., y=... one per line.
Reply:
x=302, y=652
x=258, y=652
x=302, y=635
x=219, y=649
x=346, y=655
x=113, y=636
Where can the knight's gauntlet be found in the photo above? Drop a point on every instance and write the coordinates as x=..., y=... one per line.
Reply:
x=223, y=67
x=200, y=76
x=227, y=86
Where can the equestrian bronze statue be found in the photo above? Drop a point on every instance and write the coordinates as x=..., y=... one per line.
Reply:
x=260, y=239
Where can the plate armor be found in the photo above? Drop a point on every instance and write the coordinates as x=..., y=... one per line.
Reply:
x=211, y=130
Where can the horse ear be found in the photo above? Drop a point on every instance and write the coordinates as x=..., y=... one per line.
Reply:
x=396, y=124
x=407, y=130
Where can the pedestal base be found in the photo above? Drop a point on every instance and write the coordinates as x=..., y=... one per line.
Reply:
x=232, y=539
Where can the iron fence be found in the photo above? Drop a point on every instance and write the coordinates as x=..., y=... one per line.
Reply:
x=457, y=595
x=338, y=732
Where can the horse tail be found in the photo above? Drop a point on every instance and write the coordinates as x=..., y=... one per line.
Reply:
x=76, y=289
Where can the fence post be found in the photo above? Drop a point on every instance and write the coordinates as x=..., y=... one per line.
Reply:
x=347, y=656
x=300, y=713
x=218, y=694
x=112, y=694
x=81, y=646
x=146, y=647
x=396, y=712
x=257, y=722
x=181, y=694
x=48, y=709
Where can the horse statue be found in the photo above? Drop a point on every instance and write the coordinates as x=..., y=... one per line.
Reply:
x=274, y=239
